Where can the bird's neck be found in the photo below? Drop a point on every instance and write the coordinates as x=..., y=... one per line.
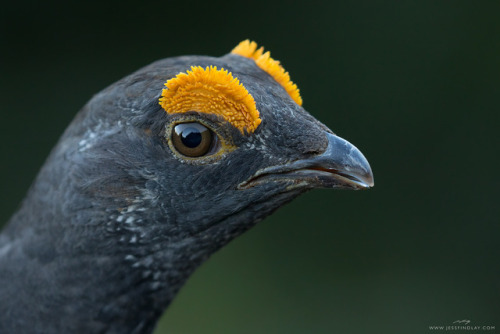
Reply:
x=108, y=280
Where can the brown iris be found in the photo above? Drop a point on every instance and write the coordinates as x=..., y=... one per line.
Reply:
x=192, y=139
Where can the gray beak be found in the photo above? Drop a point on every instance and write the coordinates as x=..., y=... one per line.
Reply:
x=345, y=161
x=341, y=165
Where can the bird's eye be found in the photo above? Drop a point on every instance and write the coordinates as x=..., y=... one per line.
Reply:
x=192, y=139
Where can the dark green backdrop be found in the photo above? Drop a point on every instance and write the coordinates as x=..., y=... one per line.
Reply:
x=414, y=84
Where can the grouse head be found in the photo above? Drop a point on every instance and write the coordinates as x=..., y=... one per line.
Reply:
x=153, y=175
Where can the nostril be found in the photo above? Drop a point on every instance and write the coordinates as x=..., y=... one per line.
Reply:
x=314, y=151
x=314, y=146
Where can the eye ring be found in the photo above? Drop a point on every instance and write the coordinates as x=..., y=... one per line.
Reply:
x=192, y=139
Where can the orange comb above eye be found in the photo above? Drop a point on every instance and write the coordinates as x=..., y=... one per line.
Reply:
x=211, y=91
x=273, y=67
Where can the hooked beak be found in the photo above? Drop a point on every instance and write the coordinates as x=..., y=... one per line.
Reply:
x=341, y=165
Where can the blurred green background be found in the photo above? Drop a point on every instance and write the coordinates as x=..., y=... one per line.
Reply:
x=414, y=84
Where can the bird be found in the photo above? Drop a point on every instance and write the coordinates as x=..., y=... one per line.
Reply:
x=153, y=175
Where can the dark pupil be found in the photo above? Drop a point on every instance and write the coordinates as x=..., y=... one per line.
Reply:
x=191, y=137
